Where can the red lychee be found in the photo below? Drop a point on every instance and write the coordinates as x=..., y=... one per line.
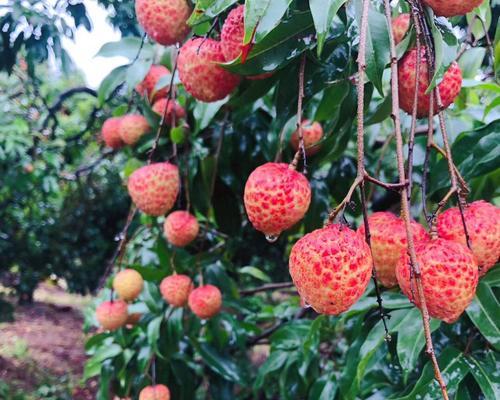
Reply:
x=132, y=127
x=388, y=240
x=449, y=277
x=175, y=289
x=155, y=392
x=312, y=132
x=164, y=20
x=181, y=228
x=112, y=315
x=276, y=198
x=400, y=26
x=331, y=268
x=200, y=73
x=451, y=8
x=110, y=132
x=449, y=88
x=128, y=284
x=205, y=301
x=483, y=226
x=231, y=39
x=173, y=108
x=147, y=86
x=154, y=188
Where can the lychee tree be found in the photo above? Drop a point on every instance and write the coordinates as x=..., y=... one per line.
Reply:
x=272, y=271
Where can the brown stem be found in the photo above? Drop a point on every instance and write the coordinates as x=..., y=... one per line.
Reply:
x=383, y=151
x=405, y=204
x=301, y=151
x=386, y=186
x=265, y=288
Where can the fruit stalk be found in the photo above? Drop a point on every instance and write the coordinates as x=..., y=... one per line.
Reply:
x=301, y=151
x=405, y=204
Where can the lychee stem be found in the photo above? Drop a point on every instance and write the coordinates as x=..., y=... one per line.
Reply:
x=301, y=152
x=405, y=203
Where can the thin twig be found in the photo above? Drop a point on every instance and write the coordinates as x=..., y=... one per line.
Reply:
x=265, y=288
x=301, y=151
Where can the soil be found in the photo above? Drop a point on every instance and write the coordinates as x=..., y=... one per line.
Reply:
x=45, y=343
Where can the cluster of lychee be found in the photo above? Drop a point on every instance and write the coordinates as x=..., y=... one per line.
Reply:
x=451, y=83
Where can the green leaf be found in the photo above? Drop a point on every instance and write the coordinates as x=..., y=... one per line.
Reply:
x=487, y=374
x=274, y=362
x=411, y=340
x=377, y=45
x=224, y=366
x=136, y=73
x=484, y=311
x=205, y=112
x=324, y=388
x=93, y=365
x=482, y=12
x=127, y=47
x=470, y=62
x=254, y=11
x=331, y=101
x=323, y=12
x=271, y=18
x=255, y=272
x=153, y=331
x=177, y=134
x=208, y=9
x=115, y=78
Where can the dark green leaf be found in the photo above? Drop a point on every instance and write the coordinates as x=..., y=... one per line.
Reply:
x=323, y=12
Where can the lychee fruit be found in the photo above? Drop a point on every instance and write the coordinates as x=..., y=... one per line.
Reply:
x=147, y=86
x=173, y=109
x=451, y=8
x=132, y=127
x=155, y=392
x=181, y=228
x=388, y=240
x=449, y=88
x=164, y=20
x=175, y=289
x=276, y=198
x=154, y=188
x=482, y=220
x=331, y=268
x=133, y=318
x=312, y=133
x=128, y=284
x=400, y=25
x=205, y=301
x=449, y=276
x=110, y=132
x=112, y=315
x=200, y=73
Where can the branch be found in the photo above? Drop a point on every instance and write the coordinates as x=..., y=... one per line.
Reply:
x=301, y=151
x=264, y=288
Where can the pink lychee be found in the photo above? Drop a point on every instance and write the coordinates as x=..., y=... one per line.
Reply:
x=200, y=73
x=155, y=392
x=449, y=88
x=482, y=220
x=148, y=84
x=164, y=20
x=112, y=315
x=331, y=268
x=128, y=284
x=181, y=228
x=451, y=8
x=449, y=275
x=312, y=132
x=276, y=198
x=132, y=127
x=388, y=240
x=111, y=133
x=175, y=289
x=205, y=301
x=154, y=188
x=173, y=109
x=400, y=25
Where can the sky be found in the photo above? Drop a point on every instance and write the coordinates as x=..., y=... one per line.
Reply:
x=86, y=44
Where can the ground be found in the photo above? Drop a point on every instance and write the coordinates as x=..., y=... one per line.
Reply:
x=41, y=352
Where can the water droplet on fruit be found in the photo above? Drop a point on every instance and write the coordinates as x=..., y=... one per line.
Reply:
x=272, y=238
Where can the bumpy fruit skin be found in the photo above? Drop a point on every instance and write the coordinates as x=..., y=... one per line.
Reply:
x=128, y=284
x=400, y=26
x=451, y=8
x=312, y=132
x=147, y=86
x=449, y=88
x=112, y=315
x=449, y=277
x=164, y=20
x=199, y=72
x=156, y=392
x=173, y=108
x=175, y=289
x=483, y=225
x=388, y=240
x=205, y=301
x=111, y=133
x=276, y=198
x=331, y=268
x=132, y=127
x=154, y=188
x=181, y=228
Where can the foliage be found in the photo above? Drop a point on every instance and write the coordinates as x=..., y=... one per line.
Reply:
x=266, y=345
